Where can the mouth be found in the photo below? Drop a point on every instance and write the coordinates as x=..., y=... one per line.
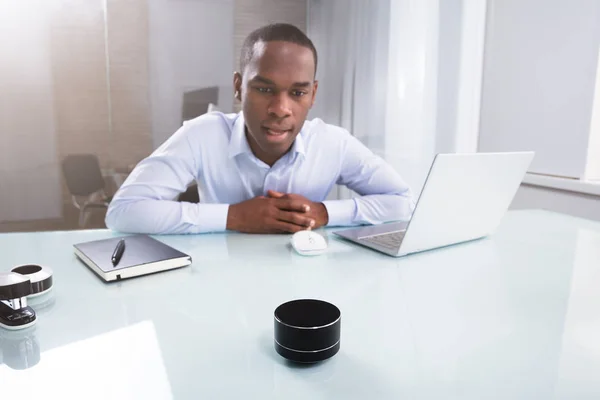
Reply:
x=276, y=134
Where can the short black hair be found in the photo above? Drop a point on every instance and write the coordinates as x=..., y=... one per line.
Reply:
x=274, y=32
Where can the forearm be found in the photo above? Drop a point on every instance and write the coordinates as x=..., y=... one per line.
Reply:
x=151, y=216
x=384, y=196
x=370, y=209
x=145, y=201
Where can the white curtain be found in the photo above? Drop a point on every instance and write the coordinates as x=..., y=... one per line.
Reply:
x=377, y=76
x=351, y=37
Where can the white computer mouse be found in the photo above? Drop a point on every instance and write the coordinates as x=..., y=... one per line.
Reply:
x=308, y=243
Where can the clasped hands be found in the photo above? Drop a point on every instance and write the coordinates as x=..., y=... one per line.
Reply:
x=276, y=213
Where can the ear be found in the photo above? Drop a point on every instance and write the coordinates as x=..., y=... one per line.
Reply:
x=237, y=86
x=314, y=93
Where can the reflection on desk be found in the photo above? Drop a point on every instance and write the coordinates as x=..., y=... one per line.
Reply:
x=512, y=316
x=19, y=349
x=122, y=364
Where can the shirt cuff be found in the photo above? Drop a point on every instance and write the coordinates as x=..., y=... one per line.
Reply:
x=207, y=217
x=340, y=212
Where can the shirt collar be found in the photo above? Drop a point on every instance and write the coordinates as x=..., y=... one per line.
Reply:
x=238, y=143
x=298, y=146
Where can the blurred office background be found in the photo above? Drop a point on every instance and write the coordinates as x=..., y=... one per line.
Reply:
x=89, y=88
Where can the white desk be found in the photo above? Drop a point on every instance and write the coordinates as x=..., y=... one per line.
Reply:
x=514, y=316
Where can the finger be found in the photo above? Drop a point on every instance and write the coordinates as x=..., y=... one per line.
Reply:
x=292, y=205
x=288, y=227
x=274, y=194
x=295, y=218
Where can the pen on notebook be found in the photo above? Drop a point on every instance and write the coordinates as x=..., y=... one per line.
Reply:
x=118, y=253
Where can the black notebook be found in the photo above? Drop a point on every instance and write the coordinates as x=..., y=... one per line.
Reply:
x=142, y=255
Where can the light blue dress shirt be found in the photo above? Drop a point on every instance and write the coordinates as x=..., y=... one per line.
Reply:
x=213, y=151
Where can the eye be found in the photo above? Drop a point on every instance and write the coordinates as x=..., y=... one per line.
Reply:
x=298, y=93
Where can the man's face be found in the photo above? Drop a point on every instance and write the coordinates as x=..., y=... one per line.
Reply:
x=277, y=90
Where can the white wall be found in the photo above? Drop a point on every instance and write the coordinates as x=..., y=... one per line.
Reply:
x=472, y=47
x=541, y=92
x=191, y=47
x=30, y=185
x=592, y=170
x=539, y=78
x=411, y=107
x=460, y=68
x=576, y=204
x=448, y=73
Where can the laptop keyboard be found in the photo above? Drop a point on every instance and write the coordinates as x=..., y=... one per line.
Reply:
x=390, y=240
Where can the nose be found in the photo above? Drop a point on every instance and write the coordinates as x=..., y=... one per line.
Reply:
x=280, y=105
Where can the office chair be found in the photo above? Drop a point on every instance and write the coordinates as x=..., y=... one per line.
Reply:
x=86, y=184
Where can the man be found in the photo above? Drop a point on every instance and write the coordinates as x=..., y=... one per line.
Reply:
x=266, y=169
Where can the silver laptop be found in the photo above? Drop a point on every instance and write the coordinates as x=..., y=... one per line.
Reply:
x=464, y=198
